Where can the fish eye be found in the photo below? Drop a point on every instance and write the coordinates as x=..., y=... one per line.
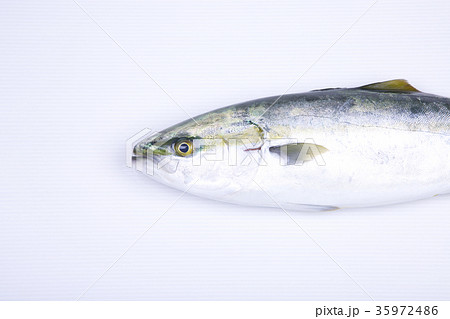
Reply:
x=184, y=147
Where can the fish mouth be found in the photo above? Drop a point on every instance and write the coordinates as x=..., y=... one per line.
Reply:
x=159, y=158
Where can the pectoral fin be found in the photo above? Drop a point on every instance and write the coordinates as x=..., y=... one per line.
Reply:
x=298, y=153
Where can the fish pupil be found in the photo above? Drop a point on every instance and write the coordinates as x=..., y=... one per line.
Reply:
x=184, y=148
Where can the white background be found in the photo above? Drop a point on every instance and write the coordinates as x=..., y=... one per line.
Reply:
x=70, y=98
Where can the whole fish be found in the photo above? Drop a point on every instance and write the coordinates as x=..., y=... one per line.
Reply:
x=372, y=145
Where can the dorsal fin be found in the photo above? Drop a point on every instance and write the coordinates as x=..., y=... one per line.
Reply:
x=392, y=85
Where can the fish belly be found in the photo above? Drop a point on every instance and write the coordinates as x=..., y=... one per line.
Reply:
x=363, y=167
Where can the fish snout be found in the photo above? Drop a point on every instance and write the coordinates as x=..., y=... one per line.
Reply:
x=141, y=150
x=150, y=151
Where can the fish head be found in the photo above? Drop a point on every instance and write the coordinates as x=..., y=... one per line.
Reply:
x=203, y=154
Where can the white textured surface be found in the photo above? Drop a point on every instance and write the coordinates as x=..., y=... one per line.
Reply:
x=70, y=98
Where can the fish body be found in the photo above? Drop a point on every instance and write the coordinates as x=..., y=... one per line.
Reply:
x=346, y=147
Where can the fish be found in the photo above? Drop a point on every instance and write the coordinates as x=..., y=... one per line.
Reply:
x=377, y=144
